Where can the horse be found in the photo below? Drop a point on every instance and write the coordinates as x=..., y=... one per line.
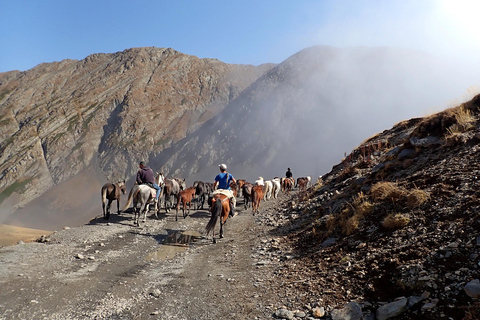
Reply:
x=257, y=195
x=185, y=196
x=110, y=192
x=276, y=187
x=267, y=190
x=302, y=183
x=143, y=194
x=160, y=180
x=171, y=189
x=247, y=193
x=259, y=182
x=220, y=208
x=200, y=194
x=287, y=185
x=234, y=188
x=240, y=183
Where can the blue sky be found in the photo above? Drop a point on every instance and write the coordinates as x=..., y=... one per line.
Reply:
x=247, y=32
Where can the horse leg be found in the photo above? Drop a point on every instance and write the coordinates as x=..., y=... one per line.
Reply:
x=118, y=206
x=108, y=209
x=147, y=208
x=104, y=212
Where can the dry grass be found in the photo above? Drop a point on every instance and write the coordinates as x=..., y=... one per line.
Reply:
x=387, y=191
x=395, y=221
x=465, y=121
x=351, y=217
x=417, y=197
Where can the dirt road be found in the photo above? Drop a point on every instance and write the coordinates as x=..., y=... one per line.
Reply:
x=113, y=270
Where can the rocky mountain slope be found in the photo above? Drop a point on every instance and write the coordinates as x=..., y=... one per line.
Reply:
x=394, y=229
x=107, y=111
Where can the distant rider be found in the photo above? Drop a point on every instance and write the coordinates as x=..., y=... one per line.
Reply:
x=222, y=185
x=145, y=176
x=289, y=173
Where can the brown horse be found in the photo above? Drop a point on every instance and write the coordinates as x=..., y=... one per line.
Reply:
x=257, y=196
x=220, y=209
x=186, y=196
x=302, y=183
x=110, y=192
x=287, y=185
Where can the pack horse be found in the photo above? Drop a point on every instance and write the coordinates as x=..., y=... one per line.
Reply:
x=111, y=192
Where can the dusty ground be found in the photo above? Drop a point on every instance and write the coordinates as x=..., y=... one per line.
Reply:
x=113, y=270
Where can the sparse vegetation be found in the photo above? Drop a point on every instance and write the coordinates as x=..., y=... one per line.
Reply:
x=417, y=197
x=17, y=186
x=395, y=221
x=465, y=121
x=387, y=191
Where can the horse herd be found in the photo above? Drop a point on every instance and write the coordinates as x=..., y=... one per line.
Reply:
x=176, y=194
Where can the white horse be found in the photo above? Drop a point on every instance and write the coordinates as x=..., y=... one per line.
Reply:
x=267, y=189
x=259, y=182
x=309, y=181
x=161, y=183
x=142, y=194
x=276, y=187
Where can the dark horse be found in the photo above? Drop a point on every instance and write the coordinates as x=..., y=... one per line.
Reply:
x=220, y=209
x=247, y=193
x=110, y=192
x=200, y=194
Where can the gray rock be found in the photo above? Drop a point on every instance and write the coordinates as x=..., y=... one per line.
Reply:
x=391, y=309
x=300, y=314
x=472, y=289
x=351, y=311
x=406, y=153
x=328, y=242
x=425, y=142
x=284, y=314
x=413, y=300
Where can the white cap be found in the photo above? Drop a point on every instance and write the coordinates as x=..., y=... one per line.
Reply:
x=223, y=166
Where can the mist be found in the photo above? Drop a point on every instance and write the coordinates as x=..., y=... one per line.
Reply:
x=317, y=106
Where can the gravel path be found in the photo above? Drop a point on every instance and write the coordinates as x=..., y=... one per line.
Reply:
x=113, y=270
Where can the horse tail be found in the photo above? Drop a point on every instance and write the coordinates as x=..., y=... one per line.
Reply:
x=104, y=194
x=216, y=212
x=130, y=197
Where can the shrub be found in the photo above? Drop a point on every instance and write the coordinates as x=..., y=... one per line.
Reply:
x=387, y=190
x=417, y=197
x=465, y=121
x=395, y=221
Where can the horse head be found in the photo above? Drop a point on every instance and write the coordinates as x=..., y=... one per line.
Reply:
x=122, y=186
x=160, y=179
x=181, y=183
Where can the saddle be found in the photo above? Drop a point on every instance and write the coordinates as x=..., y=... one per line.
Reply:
x=153, y=191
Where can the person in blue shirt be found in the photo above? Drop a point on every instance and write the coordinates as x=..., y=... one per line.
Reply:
x=222, y=185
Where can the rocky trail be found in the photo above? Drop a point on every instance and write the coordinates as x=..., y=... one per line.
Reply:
x=113, y=270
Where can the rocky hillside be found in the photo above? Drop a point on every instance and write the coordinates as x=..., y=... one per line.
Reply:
x=107, y=111
x=394, y=229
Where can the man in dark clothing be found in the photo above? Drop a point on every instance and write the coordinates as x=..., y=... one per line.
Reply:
x=145, y=176
x=289, y=173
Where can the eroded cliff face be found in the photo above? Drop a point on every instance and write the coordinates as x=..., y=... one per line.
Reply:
x=108, y=110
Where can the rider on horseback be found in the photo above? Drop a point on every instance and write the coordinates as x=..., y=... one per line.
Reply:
x=145, y=176
x=222, y=183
